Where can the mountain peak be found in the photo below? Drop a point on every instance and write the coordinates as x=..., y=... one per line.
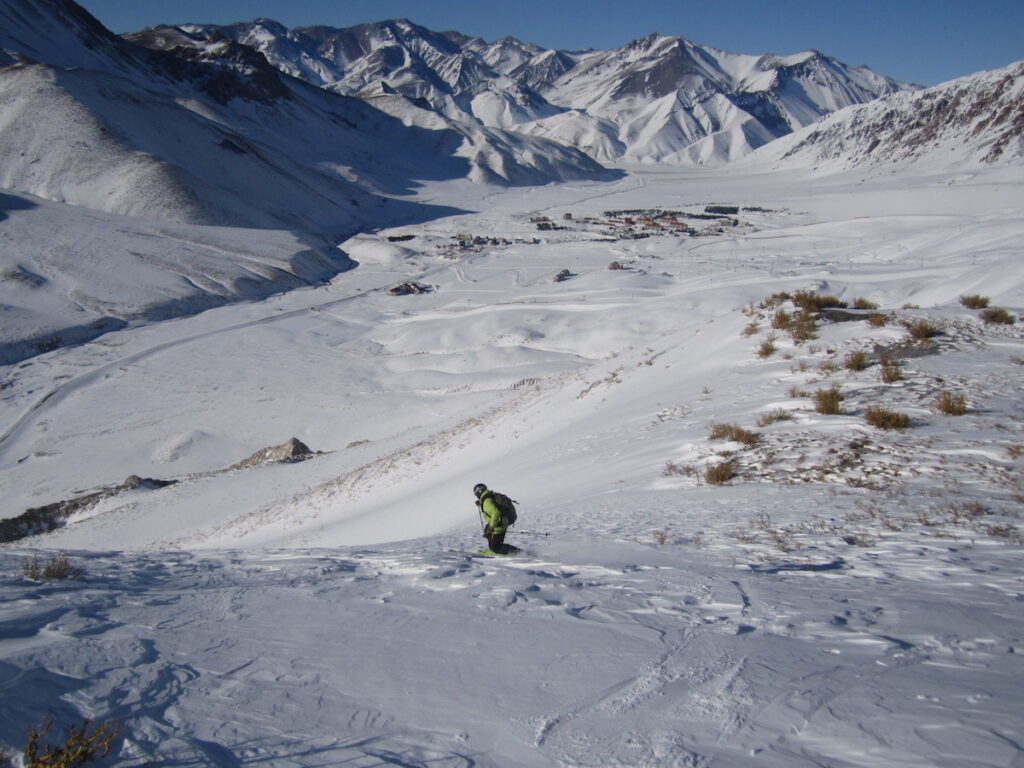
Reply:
x=659, y=98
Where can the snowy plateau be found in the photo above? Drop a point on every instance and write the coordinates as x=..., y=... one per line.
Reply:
x=763, y=421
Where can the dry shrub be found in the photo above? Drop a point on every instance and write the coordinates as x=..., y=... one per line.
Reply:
x=975, y=301
x=57, y=567
x=998, y=316
x=80, y=746
x=775, y=300
x=864, y=304
x=803, y=327
x=720, y=473
x=811, y=302
x=856, y=361
x=876, y=319
x=676, y=470
x=951, y=403
x=782, y=320
x=1005, y=531
x=733, y=432
x=771, y=417
x=767, y=347
x=750, y=329
x=827, y=367
x=796, y=392
x=890, y=371
x=827, y=401
x=922, y=330
x=883, y=418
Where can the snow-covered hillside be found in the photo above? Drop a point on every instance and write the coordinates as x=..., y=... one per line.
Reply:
x=848, y=598
x=93, y=120
x=145, y=144
x=763, y=423
x=68, y=274
x=659, y=99
x=978, y=119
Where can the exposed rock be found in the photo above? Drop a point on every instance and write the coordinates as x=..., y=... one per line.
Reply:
x=409, y=288
x=290, y=451
x=49, y=517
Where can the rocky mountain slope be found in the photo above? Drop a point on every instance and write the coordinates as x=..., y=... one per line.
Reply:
x=659, y=99
x=116, y=161
x=222, y=139
x=972, y=120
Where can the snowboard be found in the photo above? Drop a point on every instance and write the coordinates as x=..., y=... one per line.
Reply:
x=484, y=553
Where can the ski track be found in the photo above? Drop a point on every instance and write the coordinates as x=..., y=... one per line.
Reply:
x=227, y=658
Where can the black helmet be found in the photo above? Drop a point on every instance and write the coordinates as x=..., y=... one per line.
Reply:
x=478, y=489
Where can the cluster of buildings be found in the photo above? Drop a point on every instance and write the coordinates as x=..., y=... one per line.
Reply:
x=465, y=242
x=636, y=224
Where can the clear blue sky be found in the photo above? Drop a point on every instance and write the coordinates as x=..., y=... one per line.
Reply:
x=922, y=41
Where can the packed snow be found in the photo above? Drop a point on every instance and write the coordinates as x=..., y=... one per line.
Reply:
x=850, y=597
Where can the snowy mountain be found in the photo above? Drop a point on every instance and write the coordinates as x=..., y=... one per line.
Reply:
x=758, y=420
x=222, y=139
x=973, y=120
x=659, y=99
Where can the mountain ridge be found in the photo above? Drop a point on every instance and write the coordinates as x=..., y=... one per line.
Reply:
x=972, y=120
x=718, y=105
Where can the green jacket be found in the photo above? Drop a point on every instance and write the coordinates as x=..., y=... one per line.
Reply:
x=491, y=513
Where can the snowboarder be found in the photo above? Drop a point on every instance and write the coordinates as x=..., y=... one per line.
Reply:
x=497, y=513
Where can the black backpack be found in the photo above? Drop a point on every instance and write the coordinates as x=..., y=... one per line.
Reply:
x=506, y=508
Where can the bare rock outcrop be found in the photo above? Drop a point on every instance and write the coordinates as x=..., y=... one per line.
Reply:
x=291, y=450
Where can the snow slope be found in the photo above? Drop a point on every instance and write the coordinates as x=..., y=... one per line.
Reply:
x=969, y=121
x=849, y=598
x=91, y=121
x=68, y=273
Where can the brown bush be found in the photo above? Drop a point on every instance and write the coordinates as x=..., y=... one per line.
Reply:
x=864, y=304
x=827, y=401
x=975, y=301
x=883, y=418
x=733, y=432
x=877, y=319
x=890, y=371
x=812, y=302
x=80, y=746
x=720, y=473
x=57, y=567
x=803, y=327
x=782, y=320
x=767, y=347
x=775, y=300
x=771, y=417
x=998, y=315
x=951, y=403
x=856, y=361
x=922, y=330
